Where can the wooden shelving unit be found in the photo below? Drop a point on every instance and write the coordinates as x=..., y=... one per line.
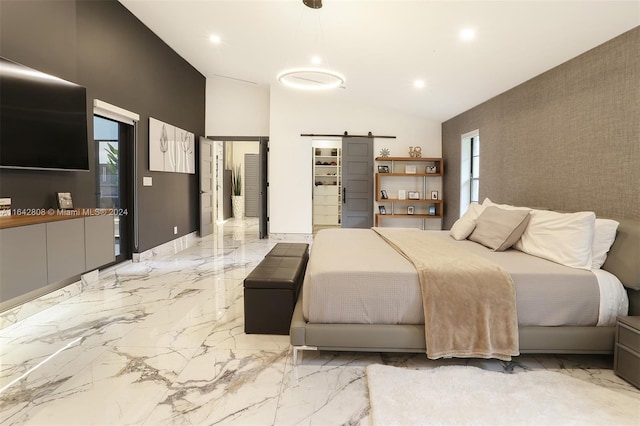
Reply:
x=398, y=169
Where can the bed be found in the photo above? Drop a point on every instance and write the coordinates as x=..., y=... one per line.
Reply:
x=369, y=299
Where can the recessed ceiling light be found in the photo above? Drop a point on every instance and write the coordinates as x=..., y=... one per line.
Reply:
x=316, y=60
x=213, y=38
x=467, y=34
x=418, y=84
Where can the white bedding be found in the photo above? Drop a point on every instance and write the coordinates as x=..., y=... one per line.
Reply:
x=353, y=276
x=613, y=298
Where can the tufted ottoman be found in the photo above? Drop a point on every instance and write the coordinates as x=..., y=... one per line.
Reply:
x=272, y=288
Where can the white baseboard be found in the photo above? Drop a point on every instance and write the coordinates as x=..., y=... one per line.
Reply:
x=168, y=248
x=307, y=238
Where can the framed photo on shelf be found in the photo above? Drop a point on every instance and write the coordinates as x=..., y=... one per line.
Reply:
x=384, y=195
x=432, y=210
x=413, y=195
x=411, y=210
x=431, y=169
x=410, y=170
x=382, y=209
x=65, y=202
x=383, y=169
x=434, y=195
x=402, y=194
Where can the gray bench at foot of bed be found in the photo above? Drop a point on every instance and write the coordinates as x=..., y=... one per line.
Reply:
x=272, y=288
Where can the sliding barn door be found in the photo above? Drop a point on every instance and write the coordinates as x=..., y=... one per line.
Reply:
x=357, y=182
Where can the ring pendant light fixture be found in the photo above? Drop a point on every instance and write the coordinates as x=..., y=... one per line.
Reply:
x=311, y=78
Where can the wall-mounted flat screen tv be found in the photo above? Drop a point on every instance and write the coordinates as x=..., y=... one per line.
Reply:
x=43, y=120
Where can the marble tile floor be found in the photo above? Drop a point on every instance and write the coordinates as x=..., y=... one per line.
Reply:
x=161, y=342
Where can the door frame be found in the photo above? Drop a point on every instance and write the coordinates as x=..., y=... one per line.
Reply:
x=126, y=158
x=206, y=192
x=264, y=176
x=130, y=169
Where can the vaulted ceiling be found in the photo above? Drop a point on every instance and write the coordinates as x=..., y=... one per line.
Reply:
x=383, y=47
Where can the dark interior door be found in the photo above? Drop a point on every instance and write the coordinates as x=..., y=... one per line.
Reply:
x=263, y=197
x=227, y=209
x=357, y=182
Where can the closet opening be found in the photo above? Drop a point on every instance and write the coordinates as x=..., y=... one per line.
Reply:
x=327, y=183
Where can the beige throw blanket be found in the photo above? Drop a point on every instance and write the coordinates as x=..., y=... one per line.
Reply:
x=469, y=302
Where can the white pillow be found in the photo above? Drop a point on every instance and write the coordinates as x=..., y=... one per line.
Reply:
x=464, y=226
x=564, y=238
x=603, y=237
x=488, y=203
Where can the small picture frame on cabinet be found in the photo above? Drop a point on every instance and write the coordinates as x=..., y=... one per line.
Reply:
x=384, y=195
x=432, y=210
x=402, y=194
x=434, y=195
x=413, y=195
x=431, y=169
x=65, y=202
x=5, y=207
x=382, y=209
x=410, y=170
x=411, y=210
x=383, y=169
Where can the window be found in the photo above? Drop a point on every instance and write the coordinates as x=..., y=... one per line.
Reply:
x=475, y=169
x=469, y=170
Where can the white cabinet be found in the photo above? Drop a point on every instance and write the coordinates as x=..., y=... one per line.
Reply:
x=326, y=205
x=327, y=186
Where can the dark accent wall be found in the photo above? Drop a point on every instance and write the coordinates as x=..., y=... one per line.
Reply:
x=568, y=139
x=99, y=44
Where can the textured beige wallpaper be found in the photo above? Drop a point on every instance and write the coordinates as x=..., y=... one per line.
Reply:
x=568, y=139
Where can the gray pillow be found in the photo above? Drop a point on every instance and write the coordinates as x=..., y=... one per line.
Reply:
x=498, y=228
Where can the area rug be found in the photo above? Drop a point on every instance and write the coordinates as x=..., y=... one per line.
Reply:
x=459, y=395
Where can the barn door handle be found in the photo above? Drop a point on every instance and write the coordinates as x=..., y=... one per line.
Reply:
x=344, y=195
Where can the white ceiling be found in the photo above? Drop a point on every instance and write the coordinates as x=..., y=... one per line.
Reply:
x=382, y=47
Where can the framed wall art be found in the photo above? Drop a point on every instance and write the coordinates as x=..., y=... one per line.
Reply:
x=171, y=149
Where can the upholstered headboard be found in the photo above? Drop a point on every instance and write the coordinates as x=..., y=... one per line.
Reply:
x=623, y=259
